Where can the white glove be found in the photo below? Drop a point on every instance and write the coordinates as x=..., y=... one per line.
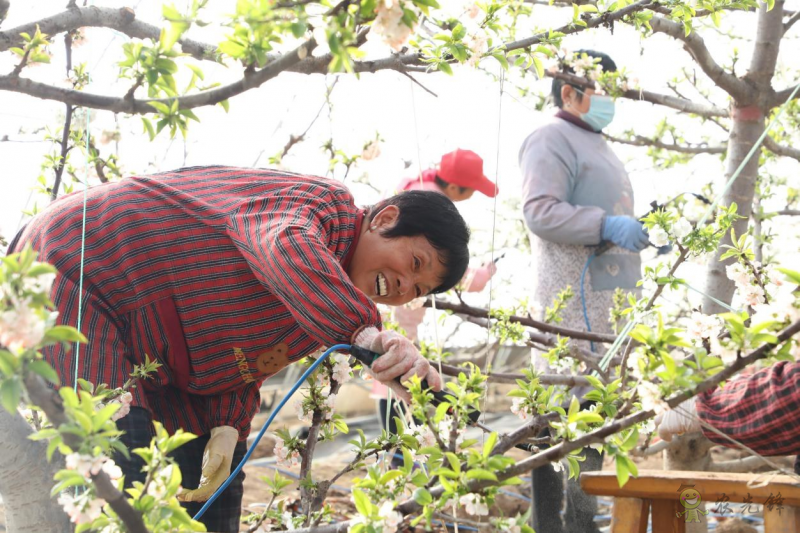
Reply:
x=682, y=419
x=217, y=459
x=399, y=358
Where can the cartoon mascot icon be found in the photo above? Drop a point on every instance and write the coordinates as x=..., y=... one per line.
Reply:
x=690, y=499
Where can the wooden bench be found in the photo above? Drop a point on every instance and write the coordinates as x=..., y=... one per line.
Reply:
x=657, y=490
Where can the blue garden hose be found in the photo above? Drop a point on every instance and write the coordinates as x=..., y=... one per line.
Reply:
x=583, y=296
x=272, y=416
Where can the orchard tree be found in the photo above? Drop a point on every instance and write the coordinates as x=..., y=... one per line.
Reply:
x=168, y=73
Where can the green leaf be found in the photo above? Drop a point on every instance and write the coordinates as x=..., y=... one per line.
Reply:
x=161, y=107
x=65, y=334
x=489, y=444
x=363, y=505
x=10, y=394
x=8, y=363
x=770, y=4
x=422, y=497
x=45, y=370
x=225, y=105
x=480, y=473
x=538, y=66
x=445, y=67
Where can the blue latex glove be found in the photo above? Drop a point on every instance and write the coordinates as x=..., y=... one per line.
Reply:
x=626, y=232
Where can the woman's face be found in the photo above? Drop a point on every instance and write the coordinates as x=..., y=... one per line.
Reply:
x=573, y=103
x=394, y=271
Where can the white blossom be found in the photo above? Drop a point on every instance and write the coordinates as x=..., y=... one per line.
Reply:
x=518, y=409
x=738, y=274
x=40, y=284
x=341, y=367
x=21, y=328
x=283, y=455
x=703, y=326
x=651, y=397
x=371, y=150
x=478, y=45
x=330, y=401
x=682, y=228
x=84, y=464
x=81, y=509
x=752, y=294
x=474, y=504
x=391, y=518
x=558, y=466
x=657, y=236
x=389, y=23
x=723, y=349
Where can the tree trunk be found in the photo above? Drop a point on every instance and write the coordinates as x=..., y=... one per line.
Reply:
x=26, y=479
x=748, y=125
x=690, y=452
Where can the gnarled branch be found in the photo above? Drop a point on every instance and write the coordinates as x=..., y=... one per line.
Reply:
x=638, y=140
x=696, y=47
x=779, y=149
x=250, y=80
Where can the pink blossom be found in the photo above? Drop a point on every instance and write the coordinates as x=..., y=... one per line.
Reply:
x=518, y=409
x=285, y=456
x=371, y=151
x=21, y=328
x=84, y=464
x=752, y=294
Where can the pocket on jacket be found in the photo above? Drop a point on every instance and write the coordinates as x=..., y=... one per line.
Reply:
x=609, y=271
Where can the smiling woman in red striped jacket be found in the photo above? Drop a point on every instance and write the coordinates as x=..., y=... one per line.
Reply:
x=225, y=276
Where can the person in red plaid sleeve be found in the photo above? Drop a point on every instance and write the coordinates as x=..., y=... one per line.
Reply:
x=758, y=410
x=225, y=276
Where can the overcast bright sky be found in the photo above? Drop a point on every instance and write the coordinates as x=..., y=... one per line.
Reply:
x=465, y=115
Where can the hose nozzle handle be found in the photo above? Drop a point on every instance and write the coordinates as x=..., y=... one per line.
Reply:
x=367, y=358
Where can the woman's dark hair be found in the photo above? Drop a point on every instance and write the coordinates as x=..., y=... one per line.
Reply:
x=605, y=61
x=435, y=217
x=443, y=184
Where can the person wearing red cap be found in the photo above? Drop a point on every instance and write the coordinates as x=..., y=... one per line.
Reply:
x=458, y=176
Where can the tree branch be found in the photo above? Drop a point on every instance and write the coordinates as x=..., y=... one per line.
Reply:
x=122, y=20
x=789, y=23
x=50, y=402
x=250, y=80
x=463, y=309
x=778, y=149
x=638, y=140
x=696, y=47
x=600, y=20
x=544, y=379
x=62, y=162
x=769, y=32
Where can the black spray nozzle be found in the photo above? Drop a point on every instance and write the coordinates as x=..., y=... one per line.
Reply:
x=367, y=358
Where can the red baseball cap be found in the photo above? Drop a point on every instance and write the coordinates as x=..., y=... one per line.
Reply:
x=465, y=169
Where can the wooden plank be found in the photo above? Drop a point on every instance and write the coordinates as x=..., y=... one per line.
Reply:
x=713, y=486
x=665, y=517
x=781, y=519
x=629, y=515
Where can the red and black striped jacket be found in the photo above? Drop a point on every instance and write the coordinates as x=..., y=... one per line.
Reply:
x=759, y=410
x=225, y=275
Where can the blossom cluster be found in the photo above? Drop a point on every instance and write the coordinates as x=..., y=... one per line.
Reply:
x=387, y=521
x=389, y=24
x=286, y=455
x=84, y=508
x=661, y=234
x=22, y=323
x=474, y=504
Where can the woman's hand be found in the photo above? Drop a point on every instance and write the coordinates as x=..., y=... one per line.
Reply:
x=399, y=359
x=626, y=232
